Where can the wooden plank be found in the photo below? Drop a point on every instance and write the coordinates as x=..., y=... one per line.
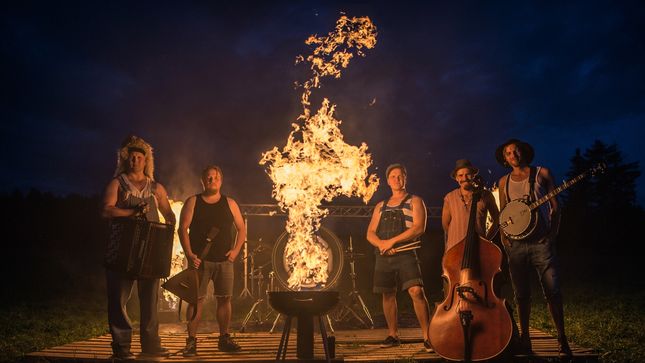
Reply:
x=351, y=346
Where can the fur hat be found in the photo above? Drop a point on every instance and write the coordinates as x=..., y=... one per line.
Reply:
x=463, y=163
x=526, y=151
x=135, y=143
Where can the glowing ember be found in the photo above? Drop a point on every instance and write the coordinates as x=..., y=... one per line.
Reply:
x=177, y=262
x=316, y=164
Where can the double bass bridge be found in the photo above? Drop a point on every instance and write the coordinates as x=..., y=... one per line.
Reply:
x=470, y=294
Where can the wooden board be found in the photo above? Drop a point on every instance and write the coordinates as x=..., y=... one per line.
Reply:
x=351, y=346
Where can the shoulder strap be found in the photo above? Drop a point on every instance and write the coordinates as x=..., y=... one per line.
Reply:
x=407, y=197
x=122, y=182
x=532, y=176
x=384, y=204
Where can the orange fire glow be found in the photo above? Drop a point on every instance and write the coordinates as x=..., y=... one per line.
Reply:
x=316, y=164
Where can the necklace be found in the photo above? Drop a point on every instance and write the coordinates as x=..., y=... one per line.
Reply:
x=463, y=199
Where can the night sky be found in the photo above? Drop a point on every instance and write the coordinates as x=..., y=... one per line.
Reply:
x=206, y=82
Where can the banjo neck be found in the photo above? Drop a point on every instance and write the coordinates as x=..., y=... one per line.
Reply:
x=564, y=186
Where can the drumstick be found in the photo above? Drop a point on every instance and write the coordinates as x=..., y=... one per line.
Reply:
x=409, y=244
x=397, y=250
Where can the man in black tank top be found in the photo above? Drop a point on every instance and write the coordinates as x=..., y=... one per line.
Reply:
x=199, y=215
x=133, y=193
x=534, y=252
x=399, y=221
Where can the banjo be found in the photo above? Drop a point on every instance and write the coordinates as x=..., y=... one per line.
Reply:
x=519, y=217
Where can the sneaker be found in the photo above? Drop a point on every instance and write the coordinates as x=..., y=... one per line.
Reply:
x=122, y=355
x=226, y=344
x=391, y=341
x=120, y=352
x=156, y=352
x=191, y=347
x=427, y=346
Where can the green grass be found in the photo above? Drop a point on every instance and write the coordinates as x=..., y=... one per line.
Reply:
x=33, y=326
x=609, y=320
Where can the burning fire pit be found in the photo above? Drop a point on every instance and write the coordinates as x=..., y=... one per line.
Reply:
x=305, y=305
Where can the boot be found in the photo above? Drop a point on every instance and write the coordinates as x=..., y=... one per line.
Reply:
x=191, y=347
x=524, y=312
x=557, y=314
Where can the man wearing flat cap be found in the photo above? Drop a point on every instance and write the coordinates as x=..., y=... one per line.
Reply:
x=133, y=193
x=457, y=203
x=536, y=251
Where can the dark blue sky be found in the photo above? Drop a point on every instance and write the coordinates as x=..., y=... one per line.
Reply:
x=210, y=83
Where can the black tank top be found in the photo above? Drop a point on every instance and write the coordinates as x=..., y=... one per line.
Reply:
x=205, y=216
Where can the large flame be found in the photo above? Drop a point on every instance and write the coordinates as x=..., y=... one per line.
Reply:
x=316, y=164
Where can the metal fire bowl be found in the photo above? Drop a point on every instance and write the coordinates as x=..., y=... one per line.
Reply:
x=298, y=303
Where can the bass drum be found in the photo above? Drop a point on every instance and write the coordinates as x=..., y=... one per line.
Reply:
x=335, y=255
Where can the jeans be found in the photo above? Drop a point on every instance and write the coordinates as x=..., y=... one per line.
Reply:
x=119, y=289
x=523, y=257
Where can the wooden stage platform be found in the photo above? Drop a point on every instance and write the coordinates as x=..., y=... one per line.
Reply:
x=351, y=346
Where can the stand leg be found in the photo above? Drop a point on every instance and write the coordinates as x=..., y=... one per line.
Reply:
x=275, y=322
x=323, y=333
x=249, y=314
x=331, y=327
x=367, y=312
x=284, y=340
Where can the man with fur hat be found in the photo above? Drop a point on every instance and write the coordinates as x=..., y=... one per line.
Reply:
x=133, y=193
x=537, y=250
x=456, y=206
x=398, y=221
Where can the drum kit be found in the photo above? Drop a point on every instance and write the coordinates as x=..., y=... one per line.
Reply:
x=351, y=307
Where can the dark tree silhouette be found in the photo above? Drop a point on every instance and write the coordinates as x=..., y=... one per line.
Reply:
x=601, y=219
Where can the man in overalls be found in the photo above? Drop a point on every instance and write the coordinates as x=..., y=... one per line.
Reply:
x=399, y=221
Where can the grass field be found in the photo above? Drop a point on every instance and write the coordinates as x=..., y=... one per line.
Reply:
x=600, y=317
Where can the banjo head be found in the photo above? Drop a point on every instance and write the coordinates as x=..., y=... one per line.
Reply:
x=516, y=219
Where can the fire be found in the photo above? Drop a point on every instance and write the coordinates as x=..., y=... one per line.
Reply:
x=177, y=262
x=316, y=164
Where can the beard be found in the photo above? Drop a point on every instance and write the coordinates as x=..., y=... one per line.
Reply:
x=210, y=191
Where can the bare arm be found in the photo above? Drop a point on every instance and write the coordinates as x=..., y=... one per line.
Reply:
x=547, y=177
x=445, y=219
x=241, y=231
x=185, y=220
x=502, y=204
x=110, y=210
x=418, y=227
x=164, y=205
x=372, y=238
x=491, y=207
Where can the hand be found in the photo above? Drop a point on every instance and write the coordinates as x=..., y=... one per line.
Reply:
x=232, y=255
x=141, y=209
x=194, y=261
x=390, y=252
x=385, y=247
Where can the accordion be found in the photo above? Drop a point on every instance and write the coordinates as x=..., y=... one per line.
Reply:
x=145, y=248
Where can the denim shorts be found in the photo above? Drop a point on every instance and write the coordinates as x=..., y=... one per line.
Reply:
x=538, y=256
x=400, y=269
x=221, y=273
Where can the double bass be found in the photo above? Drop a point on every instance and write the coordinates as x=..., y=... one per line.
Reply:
x=471, y=323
